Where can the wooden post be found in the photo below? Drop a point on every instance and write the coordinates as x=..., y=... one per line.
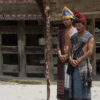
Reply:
x=1, y=57
x=48, y=46
x=93, y=57
x=49, y=66
x=21, y=51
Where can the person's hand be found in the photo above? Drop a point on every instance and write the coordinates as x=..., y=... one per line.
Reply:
x=73, y=62
x=62, y=58
x=78, y=61
x=65, y=57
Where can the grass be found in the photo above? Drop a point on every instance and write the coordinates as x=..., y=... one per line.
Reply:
x=33, y=82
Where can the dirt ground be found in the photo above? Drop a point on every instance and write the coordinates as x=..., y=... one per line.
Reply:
x=15, y=91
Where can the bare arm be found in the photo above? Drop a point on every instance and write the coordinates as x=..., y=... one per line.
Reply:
x=61, y=57
x=58, y=49
x=89, y=52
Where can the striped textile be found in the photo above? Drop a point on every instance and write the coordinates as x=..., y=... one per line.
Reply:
x=60, y=90
x=60, y=69
x=61, y=86
x=60, y=81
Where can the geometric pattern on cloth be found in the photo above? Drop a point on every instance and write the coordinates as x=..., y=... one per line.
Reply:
x=60, y=89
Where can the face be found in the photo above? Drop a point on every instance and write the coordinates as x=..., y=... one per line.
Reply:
x=67, y=21
x=80, y=27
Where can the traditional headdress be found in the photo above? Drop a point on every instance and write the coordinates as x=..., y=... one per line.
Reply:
x=67, y=13
x=79, y=17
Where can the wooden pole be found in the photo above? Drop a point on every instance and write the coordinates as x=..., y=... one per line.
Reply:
x=21, y=51
x=47, y=50
x=48, y=53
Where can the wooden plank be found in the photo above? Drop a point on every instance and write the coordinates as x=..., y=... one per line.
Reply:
x=10, y=68
x=97, y=56
x=29, y=29
x=9, y=49
x=34, y=30
x=28, y=49
x=37, y=62
x=55, y=70
x=34, y=50
x=97, y=36
x=21, y=51
x=35, y=69
x=30, y=69
x=8, y=29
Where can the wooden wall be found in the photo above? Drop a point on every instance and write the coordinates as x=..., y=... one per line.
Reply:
x=80, y=5
x=26, y=55
x=19, y=10
x=89, y=8
x=21, y=52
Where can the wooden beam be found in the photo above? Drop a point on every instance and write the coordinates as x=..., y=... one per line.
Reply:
x=35, y=69
x=34, y=50
x=30, y=69
x=21, y=51
x=8, y=29
x=9, y=49
x=10, y=68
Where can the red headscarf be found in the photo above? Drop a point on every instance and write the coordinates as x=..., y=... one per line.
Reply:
x=79, y=17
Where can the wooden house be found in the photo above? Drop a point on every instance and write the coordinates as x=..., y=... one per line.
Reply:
x=22, y=34
x=21, y=29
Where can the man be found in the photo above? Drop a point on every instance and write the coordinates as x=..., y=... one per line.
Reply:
x=81, y=47
x=62, y=49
